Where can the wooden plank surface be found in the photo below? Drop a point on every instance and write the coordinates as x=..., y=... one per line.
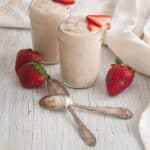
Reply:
x=26, y=126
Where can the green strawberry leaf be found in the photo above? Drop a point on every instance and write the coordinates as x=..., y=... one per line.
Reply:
x=38, y=66
x=118, y=60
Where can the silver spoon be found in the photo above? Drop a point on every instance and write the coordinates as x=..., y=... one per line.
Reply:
x=58, y=103
x=56, y=88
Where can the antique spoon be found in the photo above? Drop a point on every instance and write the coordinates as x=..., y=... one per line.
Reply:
x=57, y=102
x=56, y=88
x=62, y=102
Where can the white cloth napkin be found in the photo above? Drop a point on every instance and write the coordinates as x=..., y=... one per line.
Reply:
x=14, y=13
x=126, y=29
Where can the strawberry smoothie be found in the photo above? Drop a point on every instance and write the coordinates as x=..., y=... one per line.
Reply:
x=79, y=52
x=45, y=15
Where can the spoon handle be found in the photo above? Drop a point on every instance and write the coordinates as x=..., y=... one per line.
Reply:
x=120, y=112
x=84, y=132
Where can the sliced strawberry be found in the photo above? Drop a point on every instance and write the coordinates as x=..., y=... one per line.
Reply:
x=108, y=26
x=65, y=2
x=101, y=21
x=106, y=18
x=91, y=27
x=94, y=20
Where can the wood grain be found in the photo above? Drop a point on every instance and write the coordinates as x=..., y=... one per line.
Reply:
x=24, y=125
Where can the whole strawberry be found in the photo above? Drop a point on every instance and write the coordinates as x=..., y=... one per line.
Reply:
x=26, y=55
x=118, y=78
x=32, y=75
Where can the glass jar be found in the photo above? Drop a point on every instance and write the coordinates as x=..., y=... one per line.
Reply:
x=45, y=16
x=80, y=52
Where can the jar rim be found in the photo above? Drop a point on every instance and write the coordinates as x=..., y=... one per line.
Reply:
x=77, y=34
x=34, y=11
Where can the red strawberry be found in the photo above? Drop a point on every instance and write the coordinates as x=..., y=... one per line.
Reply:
x=107, y=25
x=26, y=55
x=101, y=21
x=94, y=20
x=65, y=2
x=91, y=27
x=118, y=78
x=32, y=75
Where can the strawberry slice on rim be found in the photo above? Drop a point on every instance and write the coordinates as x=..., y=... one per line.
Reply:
x=108, y=25
x=94, y=20
x=65, y=2
x=101, y=21
x=91, y=27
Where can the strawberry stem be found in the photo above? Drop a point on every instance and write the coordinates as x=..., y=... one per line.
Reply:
x=118, y=60
x=48, y=77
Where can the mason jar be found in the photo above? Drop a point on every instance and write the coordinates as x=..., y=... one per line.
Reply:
x=45, y=16
x=80, y=51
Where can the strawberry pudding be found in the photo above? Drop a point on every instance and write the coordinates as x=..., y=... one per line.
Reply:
x=45, y=15
x=79, y=52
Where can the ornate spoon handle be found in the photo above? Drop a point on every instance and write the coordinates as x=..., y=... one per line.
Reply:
x=120, y=112
x=84, y=132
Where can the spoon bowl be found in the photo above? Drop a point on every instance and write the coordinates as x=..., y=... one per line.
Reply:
x=55, y=102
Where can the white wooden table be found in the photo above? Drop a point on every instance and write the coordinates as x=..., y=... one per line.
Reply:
x=24, y=125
